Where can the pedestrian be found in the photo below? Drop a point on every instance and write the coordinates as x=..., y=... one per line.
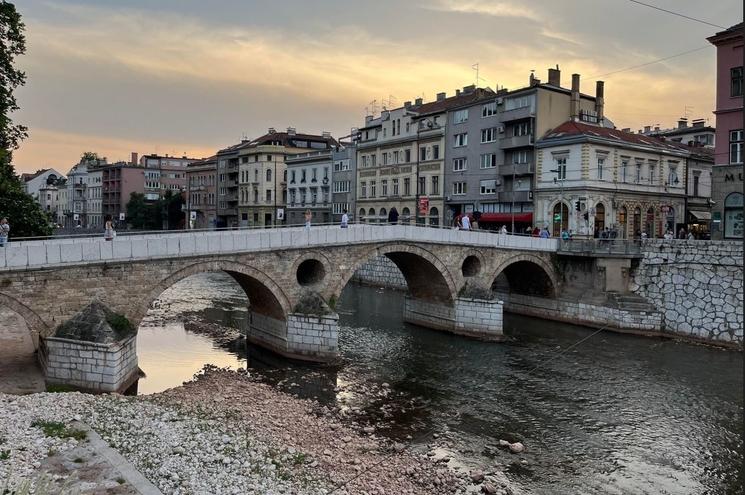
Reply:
x=344, y=220
x=536, y=232
x=544, y=233
x=529, y=230
x=465, y=222
x=564, y=235
x=4, y=231
x=503, y=231
x=308, y=218
x=691, y=237
x=393, y=216
x=682, y=233
x=457, y=222
x=109, y=233
x=644, y=235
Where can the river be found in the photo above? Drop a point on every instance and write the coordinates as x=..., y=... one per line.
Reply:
x=616, y=414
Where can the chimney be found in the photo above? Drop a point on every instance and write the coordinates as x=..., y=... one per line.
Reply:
x=554, y=76
x=656, y=128
x=574, y=98
x=600, y=100
x=418, y=101
x=407, y=104
x=291, y=131
x=626, y=129
x=326, y=134
x=271, y=130
x=682, y=123
x=698, y=123
x=457, y=92
x=647, y=129
x=134, y=158
x=440, y=96
x=368, y=119
x=469, y=89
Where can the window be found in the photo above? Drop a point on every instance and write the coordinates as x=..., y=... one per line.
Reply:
x=268, y=158
x=372, y=189
x=460, y=116
x=435, y=185
x=488, y=160
x=373, y=158
x=489, y=186
x=395, y=157
x=342, y=186
x=422, y=185
x=269, y=175
x=521, y=129
x=696, y=177
x=735, y=147
x=407, y=156
x=363, y=189
x=325, y=172
x=736, y=81
x=315, y=175
x=601, y=164
x=384, y=187
x=435, y=151
x=652, y=168
x=518, y=102
x=561, y=166
x=256, y=195
x=342, y=165
x=292, y=177
x=459, y=188
x=385, y=158
x=460, y=140
x=256, y=175
x=489, y=135
x=395, y=187
x=638, y=172
x=519, y=157
x=489, y=109
x=364, y=161
x=624, y=166
x=407, y=186
x=459, y=164
x=733, y=217
x=268, y=195
x=423, y=153
x=302, y=175
x=672, y=178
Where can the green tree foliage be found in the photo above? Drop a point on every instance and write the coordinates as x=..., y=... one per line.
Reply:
x=163, y=213
x=25, y=216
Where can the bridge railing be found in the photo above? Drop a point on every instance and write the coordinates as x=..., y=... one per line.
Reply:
x=144, y=246
x=614, y=247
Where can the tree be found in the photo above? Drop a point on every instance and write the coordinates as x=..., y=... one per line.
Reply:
x=24, y=214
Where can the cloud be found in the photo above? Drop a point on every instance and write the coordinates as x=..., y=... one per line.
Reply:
x=483, y=7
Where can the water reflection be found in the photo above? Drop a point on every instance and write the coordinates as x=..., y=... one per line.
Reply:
x=618, y=414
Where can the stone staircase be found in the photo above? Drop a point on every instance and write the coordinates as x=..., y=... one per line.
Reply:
x=630, y=302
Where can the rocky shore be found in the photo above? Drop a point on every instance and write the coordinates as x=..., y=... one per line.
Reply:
x=226, y=432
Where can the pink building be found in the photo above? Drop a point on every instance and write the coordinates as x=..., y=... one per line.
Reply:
x=119, y=181
x=164, y=173
x=727, y=173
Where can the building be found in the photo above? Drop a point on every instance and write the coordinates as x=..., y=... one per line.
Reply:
x=401, y=159
x=95, y=198
x=61, y=206
x=163, y=173
x=48, y=198
x=227, y=186
x=32, y=183
x=727, y=173
x=309, y=182
x=698, y=133
x=201, y=193
x=262, y=174
x=699, y=167
x=491, y=146
x=590, y=178
x=119, y=181
x=343, y=179
x=76, y=207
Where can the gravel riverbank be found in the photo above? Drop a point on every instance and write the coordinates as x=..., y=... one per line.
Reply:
x=226, y=433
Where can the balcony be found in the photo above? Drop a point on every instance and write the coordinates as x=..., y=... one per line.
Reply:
x=519, y=169
x=516, y=142
x=516, y=196
x=516, y=114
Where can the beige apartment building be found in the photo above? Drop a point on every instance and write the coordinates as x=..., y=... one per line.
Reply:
x=262, y=173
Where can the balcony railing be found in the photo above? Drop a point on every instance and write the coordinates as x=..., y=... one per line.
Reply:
x=516, y=141
x=599, y=247
x=516, y=114
x=519, y=169
x=517, y=196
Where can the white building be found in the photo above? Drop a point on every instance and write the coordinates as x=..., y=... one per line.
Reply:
x=95, y=186
x=589, y=178
x=32, y=183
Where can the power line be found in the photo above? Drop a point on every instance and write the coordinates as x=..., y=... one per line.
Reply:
x=677, y=14
x=651, y=62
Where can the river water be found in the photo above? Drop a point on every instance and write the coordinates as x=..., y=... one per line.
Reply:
x=616, y=414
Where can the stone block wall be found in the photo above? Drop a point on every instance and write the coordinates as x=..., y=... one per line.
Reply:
x=88, y=365
x=316, y=337
x=268, y=331
x=478, y=317
x=696, y=285
x=380, y=272
x=582, y=313
x=429, y=314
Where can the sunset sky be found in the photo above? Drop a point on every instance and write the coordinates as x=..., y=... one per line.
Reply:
x=189, y=76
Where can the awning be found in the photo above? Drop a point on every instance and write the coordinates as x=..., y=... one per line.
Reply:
x=701, y=215
x=506, y=217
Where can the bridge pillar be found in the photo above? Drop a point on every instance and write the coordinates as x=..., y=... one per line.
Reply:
x=301, y=336
x=478, y=318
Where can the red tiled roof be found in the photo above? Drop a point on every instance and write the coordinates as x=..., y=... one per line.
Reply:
x=571, y=129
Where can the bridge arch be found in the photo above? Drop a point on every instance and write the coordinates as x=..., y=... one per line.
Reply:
x=35, y=324
x=264, y=295
x=426, y=275
x=526, y=274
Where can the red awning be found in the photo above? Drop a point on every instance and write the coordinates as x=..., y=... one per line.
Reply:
x=506, y=217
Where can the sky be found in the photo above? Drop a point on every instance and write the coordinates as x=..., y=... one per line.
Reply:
x=190, y=77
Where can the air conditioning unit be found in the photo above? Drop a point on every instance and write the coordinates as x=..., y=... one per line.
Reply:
x=500, y=101
x=500, y=129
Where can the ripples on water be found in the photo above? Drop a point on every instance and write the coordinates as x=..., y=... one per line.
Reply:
x=617, y=414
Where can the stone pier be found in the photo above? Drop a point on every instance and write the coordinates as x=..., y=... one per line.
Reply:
x=301, y=336
x=471, y=317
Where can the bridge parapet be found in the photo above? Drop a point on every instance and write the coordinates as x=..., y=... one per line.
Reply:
x=70, y=252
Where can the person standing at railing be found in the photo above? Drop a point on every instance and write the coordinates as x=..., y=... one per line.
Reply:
x=393, y=216
x=308, y=218
x=109, y=233
x=503, y=230
x=4, y=231
x=344, y=220
x=465, y=223
x=544, y=234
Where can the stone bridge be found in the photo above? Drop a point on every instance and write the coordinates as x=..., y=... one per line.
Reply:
x=292, y=277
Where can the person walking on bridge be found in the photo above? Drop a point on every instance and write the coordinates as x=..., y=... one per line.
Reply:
x=344, y=220
x=4, y=231
x=308, y=218
x=109, y=233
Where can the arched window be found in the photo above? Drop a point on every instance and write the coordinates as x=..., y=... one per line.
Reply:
x=560, y=218
x=383, y=214
x=405, y=215
x=269, y=175
x=434, y=216
x=362, y=214
x=599, y=217
x=733, y=217
x=649, y=223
